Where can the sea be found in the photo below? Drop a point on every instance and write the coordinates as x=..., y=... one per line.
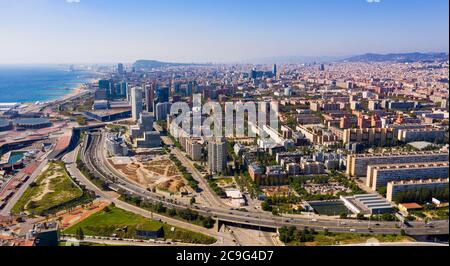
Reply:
x=25, y=84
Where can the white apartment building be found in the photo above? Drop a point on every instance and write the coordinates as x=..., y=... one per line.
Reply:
x=381, y=175
x=357, y=163
x=217, y=155
x=396, y=188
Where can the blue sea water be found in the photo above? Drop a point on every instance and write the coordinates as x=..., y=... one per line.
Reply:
x=38, y=83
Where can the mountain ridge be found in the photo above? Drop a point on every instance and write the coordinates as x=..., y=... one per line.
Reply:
x=368, y=57
x=398, y=57
x=144, y=63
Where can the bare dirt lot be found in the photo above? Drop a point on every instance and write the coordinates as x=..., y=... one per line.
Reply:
x=157, y=173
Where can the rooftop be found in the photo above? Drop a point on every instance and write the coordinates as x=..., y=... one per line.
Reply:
x=31, y=121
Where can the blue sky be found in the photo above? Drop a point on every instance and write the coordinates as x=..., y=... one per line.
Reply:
x=89, y=31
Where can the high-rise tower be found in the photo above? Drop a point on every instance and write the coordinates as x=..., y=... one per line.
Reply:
x=136, y=102
x=217, y=155
x=149, y=97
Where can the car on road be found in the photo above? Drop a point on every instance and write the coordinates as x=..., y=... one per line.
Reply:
x=352, y=230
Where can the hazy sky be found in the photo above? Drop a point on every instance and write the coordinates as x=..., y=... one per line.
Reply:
x=107, y=31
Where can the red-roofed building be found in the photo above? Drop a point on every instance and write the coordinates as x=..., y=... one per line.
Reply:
x=407, y=207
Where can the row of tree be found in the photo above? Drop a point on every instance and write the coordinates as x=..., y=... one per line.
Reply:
x=291, y=234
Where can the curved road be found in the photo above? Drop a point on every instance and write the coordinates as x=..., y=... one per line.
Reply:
x=70, y=160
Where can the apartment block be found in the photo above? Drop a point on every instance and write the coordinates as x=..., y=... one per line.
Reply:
x=370, y=136
x=194, y=149
x=217, y=155
x=380, y=175
x=394, y=189
x=422, y=134
x=313, y=168
x=256, y=172
x=357, y=163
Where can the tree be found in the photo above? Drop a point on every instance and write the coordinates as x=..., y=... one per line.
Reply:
x=287, y=234
x=403, y=232
x=159, y=208
x=266, y=206
x=81, y=121
x=80, y=234
x=171, y=212
x=275, y=212
x=192, y=201
x=305, y=235
x=343, y=215
x=208, y=222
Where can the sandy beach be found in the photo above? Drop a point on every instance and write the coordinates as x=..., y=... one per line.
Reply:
x=79, y=90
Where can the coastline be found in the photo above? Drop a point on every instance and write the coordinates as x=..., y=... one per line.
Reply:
x=80, y=89
x=42, y=85
x=76, y=91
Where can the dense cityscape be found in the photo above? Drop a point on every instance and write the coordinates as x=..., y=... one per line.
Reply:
x=358, y=154
x=196, y=132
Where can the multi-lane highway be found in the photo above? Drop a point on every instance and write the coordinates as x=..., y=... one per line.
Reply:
x=261, y=219
x=70, y=160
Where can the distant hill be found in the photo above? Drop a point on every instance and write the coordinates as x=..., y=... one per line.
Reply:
x=157, y=64
x=292, y=60
x=401, y=58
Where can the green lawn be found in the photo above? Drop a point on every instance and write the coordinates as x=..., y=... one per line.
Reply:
x=123, y=224
x=52, y=188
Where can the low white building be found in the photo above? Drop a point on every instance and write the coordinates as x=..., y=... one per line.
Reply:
x=237, y=199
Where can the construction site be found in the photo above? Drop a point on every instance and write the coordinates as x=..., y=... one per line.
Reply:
x=156, y=173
